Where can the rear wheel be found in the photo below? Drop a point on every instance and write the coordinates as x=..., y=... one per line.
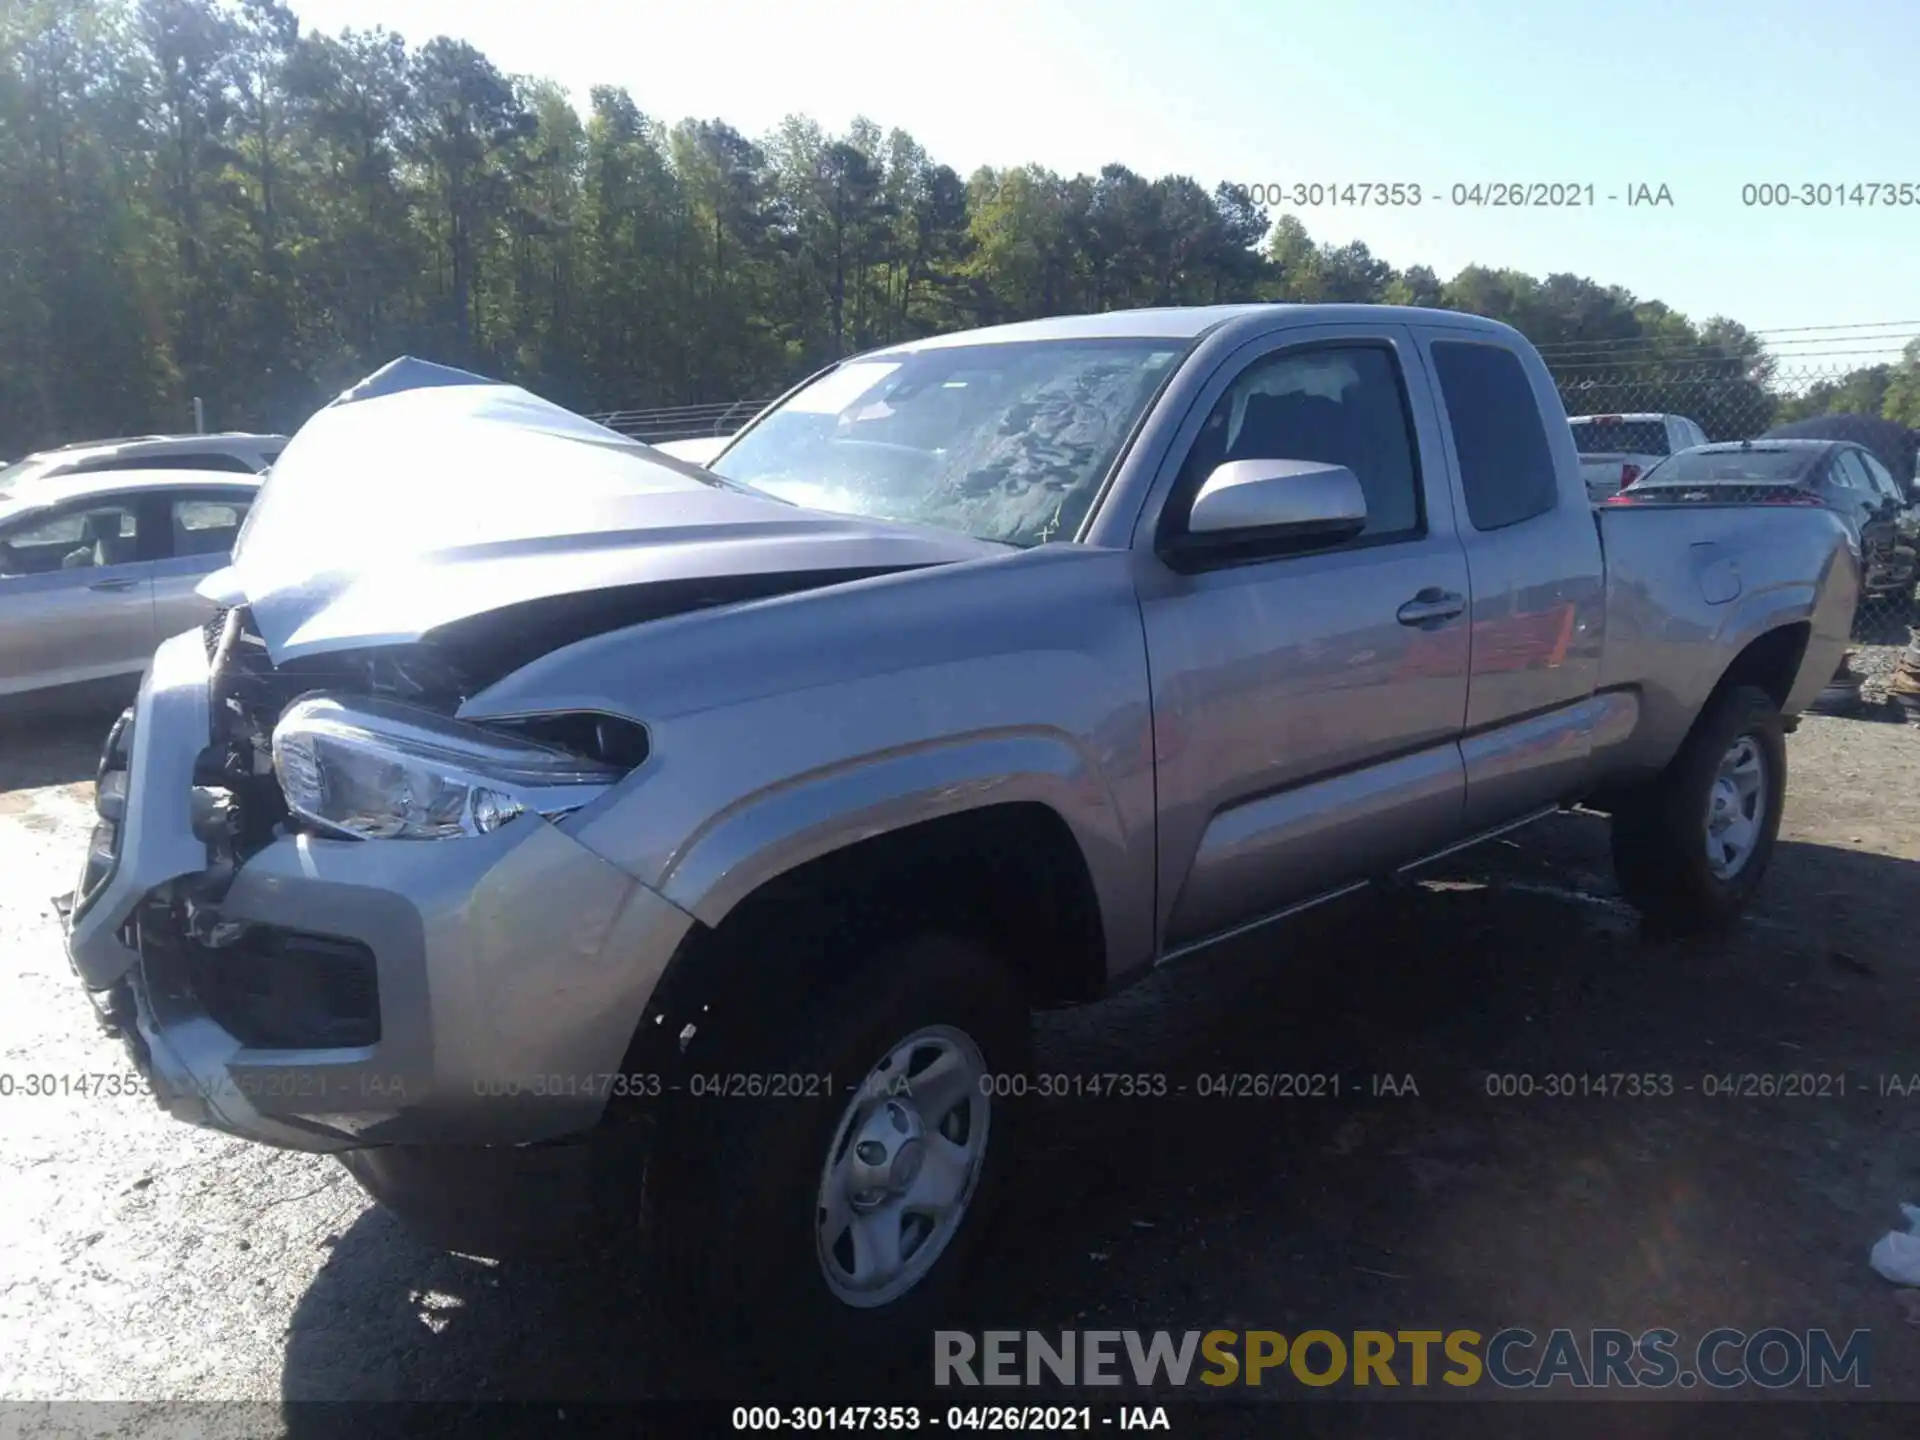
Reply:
x=1691, y=846
x=817, y=1234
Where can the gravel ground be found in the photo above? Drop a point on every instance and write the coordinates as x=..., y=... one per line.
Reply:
x=141, y=1259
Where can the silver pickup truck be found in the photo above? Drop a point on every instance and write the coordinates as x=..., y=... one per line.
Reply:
x=545, y=821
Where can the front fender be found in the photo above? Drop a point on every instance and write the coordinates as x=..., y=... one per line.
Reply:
x=783, y=729
x=772, y=831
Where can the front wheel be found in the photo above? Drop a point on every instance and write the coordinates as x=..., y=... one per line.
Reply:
x=1691, y=845
x=820, y=1231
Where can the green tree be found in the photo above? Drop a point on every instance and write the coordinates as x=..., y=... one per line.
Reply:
x=1901, y=401
x=463, y=122
x=198, y=199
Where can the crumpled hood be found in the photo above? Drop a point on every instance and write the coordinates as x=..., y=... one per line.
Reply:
x=425, y=495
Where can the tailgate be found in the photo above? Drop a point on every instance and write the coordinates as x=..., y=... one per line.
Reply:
x=1602, y=472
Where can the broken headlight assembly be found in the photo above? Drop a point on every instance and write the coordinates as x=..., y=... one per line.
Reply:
x=378, y=770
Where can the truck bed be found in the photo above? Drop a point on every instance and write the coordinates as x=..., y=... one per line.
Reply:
x=1690, y=586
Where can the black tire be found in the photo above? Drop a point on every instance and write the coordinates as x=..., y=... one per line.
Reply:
x=732, y=1184
x=1660, y=829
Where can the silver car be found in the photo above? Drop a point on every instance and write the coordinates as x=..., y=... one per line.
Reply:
x=97, y=569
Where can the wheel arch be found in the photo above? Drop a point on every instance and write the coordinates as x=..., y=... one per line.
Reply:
x=1771, y=660
x=1009, y=875
x=1019, y=781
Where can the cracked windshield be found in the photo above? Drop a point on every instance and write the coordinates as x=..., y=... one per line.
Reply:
x=1004, y=442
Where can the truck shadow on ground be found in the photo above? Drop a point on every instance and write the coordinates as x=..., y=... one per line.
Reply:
x=1428, y=1192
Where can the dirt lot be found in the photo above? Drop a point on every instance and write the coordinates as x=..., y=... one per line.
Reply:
x=141, y=1259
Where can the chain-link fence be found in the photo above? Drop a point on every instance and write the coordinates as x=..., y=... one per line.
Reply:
x=1735, y=400
x=1725, y=398
x=681, y=422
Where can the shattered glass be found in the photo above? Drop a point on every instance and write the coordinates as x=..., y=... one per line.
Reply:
x=1004, y=442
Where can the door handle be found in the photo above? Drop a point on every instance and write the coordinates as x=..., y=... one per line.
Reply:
x=1432, y=606
x=113, y=584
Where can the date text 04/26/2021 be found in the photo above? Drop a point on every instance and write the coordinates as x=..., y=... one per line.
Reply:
x=1464, y=194
x=1011, y=1419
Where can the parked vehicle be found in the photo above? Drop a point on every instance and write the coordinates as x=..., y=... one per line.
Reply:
x=1845, y=478
x=233, y=452
x=1615, y=450
x=96, y=569
x=1895, y=446
x=697, y=843
x=698, y=450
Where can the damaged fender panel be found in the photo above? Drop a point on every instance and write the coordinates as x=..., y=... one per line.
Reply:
x=771, y=744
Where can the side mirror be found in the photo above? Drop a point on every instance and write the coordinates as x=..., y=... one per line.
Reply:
x=1247, y=502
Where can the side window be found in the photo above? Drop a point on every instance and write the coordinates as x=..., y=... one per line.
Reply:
x=206, y=525
x=1339, y=405
x=1882, y=479
x=1506, y=467
x=82, y=537
x=1848, y=471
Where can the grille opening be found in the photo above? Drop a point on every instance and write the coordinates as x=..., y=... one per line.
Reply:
x=272, y=989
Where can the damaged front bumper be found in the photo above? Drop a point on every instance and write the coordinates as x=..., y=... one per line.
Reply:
x=477, y=992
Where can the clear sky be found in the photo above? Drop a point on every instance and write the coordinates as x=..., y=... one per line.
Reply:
x=1702, y=96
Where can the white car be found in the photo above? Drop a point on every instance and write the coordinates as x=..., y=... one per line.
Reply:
x=234, y=452
x=1616, y=450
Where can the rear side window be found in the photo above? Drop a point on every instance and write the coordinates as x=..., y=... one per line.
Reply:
x=1883, y=479
x=1848, y=470
x=1506, y=467
x=206, y=525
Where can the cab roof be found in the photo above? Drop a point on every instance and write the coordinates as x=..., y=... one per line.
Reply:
x=1189, y=322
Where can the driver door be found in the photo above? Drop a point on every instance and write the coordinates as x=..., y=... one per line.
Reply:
x=1307, y=703
x=76, y=599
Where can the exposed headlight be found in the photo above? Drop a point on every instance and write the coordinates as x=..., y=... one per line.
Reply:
x=382, y=771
